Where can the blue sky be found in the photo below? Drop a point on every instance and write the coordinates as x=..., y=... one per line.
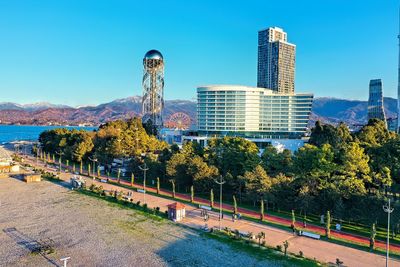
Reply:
x=83, y=52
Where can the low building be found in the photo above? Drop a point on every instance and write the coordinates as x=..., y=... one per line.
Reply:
x=32, y=177
x=176, y=211
x=6, y=162
x=5, y=157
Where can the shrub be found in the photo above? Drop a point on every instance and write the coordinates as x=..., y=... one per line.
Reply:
x=92, y=187
x=138, y=203
x=119, y=196
x=301, y=254
x=237, y=234
x=279, y=248
x=145, y=206
x=285, y=245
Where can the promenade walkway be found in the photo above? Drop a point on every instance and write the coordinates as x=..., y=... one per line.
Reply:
x=321, y=250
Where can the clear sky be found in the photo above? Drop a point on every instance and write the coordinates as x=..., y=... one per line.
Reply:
x=84, y=52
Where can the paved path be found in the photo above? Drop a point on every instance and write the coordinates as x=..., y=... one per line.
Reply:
x=321, y=250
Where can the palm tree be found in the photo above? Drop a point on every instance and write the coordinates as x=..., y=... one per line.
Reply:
x=261, y=235
x=286, y=245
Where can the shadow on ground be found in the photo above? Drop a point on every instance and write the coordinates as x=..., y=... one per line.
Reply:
x=41, y=247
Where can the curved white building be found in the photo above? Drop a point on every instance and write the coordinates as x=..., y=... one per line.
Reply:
x=251, y=112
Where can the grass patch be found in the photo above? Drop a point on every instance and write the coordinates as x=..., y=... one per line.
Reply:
x=142, y=210
x=261, y=252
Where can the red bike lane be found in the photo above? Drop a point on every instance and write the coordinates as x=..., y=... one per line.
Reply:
x=271, y=218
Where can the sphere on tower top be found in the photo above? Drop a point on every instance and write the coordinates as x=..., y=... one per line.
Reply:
x=153, y=54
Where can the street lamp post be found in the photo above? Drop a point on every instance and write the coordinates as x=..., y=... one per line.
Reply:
x=94, y=160
x=37, y=155
x=388, y=210
x=144, y=169
x=65, y=260
x=59, y=159
x=220, y=182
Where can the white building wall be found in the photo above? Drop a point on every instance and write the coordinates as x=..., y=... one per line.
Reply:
x=252, y=113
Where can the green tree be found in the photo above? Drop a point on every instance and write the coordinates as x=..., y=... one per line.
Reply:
x=119, y=175
x=81, y=167
x=262, y=209
x=375, y=134
x=260, y=235
x=311, y=159
x=234, y=205
x=323, y=134
x=173, y=187
x=258, y=183
x=328, y=224
x=187, y=167
x=158, y=185
x=293, y=224
x=132, y=179
x=211, y=198
x=192, y=194
x=89, y=169
x=233, y=155
x=285, y=245
x=274, y=162
x=372, y=237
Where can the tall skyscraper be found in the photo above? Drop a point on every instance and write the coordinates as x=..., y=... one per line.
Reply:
x=375, y=101
x=276, y=61
x=153, y=90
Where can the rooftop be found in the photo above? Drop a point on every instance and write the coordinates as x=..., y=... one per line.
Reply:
x=176, y=206
x=4, y=155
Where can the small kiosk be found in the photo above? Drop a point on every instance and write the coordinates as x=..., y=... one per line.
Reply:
x=32, y=177
x=176, y=211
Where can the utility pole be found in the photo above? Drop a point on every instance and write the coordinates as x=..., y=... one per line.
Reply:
x=144, y=169
x=94, y=160
x=220, y=182
x=388, y=209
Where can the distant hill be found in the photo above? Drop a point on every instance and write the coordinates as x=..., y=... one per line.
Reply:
x=328, y=110
x=333, y=110
x=45, y=113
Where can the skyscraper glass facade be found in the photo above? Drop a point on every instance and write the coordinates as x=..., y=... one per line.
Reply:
x=276, y=61
x=375, y=100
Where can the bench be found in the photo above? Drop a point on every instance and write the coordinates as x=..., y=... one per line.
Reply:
x=205, y=207
x=311, y=235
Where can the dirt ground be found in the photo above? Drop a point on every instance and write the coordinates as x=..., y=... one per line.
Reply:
x=96, y=233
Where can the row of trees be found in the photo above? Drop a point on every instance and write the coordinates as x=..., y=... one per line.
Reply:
x=346, y=173
x=116, y=139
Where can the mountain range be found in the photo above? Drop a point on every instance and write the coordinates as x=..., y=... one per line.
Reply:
x=325, y=109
